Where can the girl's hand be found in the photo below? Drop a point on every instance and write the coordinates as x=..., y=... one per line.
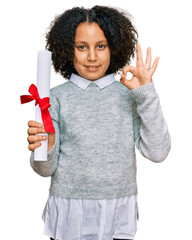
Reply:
x=34, y=140
x=142, y=73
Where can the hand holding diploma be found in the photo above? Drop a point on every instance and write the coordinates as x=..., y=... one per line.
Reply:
x=34, y=140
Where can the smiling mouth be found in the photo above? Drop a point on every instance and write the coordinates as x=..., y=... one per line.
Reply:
x=92, y=68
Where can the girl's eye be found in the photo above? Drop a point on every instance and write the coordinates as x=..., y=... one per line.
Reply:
x=101, y=46
x=82, y=47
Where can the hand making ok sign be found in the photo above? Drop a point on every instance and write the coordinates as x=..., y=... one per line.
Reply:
x=142, y=73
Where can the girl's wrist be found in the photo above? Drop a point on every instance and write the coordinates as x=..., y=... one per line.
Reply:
x=49, y=147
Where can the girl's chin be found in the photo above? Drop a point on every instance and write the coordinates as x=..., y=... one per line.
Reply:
x=93, y=75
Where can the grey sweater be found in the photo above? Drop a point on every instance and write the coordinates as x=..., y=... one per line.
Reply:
x=97, y=130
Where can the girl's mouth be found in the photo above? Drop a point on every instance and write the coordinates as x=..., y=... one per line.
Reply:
x=92, y=68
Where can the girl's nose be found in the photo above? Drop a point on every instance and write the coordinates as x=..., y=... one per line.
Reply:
x=92, y=55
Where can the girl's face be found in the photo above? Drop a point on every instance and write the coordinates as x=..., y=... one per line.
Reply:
x=91, y=53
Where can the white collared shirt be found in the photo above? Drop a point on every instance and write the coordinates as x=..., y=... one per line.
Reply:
x=84, y=83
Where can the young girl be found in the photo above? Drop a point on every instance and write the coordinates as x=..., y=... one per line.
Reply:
x=98, y=122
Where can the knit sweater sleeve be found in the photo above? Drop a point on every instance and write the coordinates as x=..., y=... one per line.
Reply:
x=47, y=168
x=151, y=134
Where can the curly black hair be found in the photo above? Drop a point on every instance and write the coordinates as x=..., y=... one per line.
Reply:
x=117, y=27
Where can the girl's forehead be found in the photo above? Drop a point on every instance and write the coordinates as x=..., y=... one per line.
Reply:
x=89, y=32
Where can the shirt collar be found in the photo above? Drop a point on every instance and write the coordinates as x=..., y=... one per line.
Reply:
x=84, y=83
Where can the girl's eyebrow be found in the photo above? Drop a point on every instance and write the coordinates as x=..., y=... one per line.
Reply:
x=102, y=41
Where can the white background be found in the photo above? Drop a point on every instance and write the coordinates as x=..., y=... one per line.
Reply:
x=165, y=197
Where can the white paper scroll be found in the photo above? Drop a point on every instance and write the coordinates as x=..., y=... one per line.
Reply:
x=43, y=86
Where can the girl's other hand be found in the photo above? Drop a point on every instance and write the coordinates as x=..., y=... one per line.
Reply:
x=142, y=73
x=34, y=140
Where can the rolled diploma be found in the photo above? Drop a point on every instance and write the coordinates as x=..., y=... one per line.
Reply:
x=43, y=86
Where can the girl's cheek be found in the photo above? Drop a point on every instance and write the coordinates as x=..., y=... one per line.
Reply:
x=78, y=59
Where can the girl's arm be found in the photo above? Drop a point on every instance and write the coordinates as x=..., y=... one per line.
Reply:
x=150, y=129
x=47, y=168
x=151, y=134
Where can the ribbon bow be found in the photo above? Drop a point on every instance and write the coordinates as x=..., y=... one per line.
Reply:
x=43, y=104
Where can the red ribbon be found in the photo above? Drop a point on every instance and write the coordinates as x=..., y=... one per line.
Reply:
x=43, y=104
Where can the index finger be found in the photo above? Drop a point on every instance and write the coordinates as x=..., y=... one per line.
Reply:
x=139, y=55
x=33, y=123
